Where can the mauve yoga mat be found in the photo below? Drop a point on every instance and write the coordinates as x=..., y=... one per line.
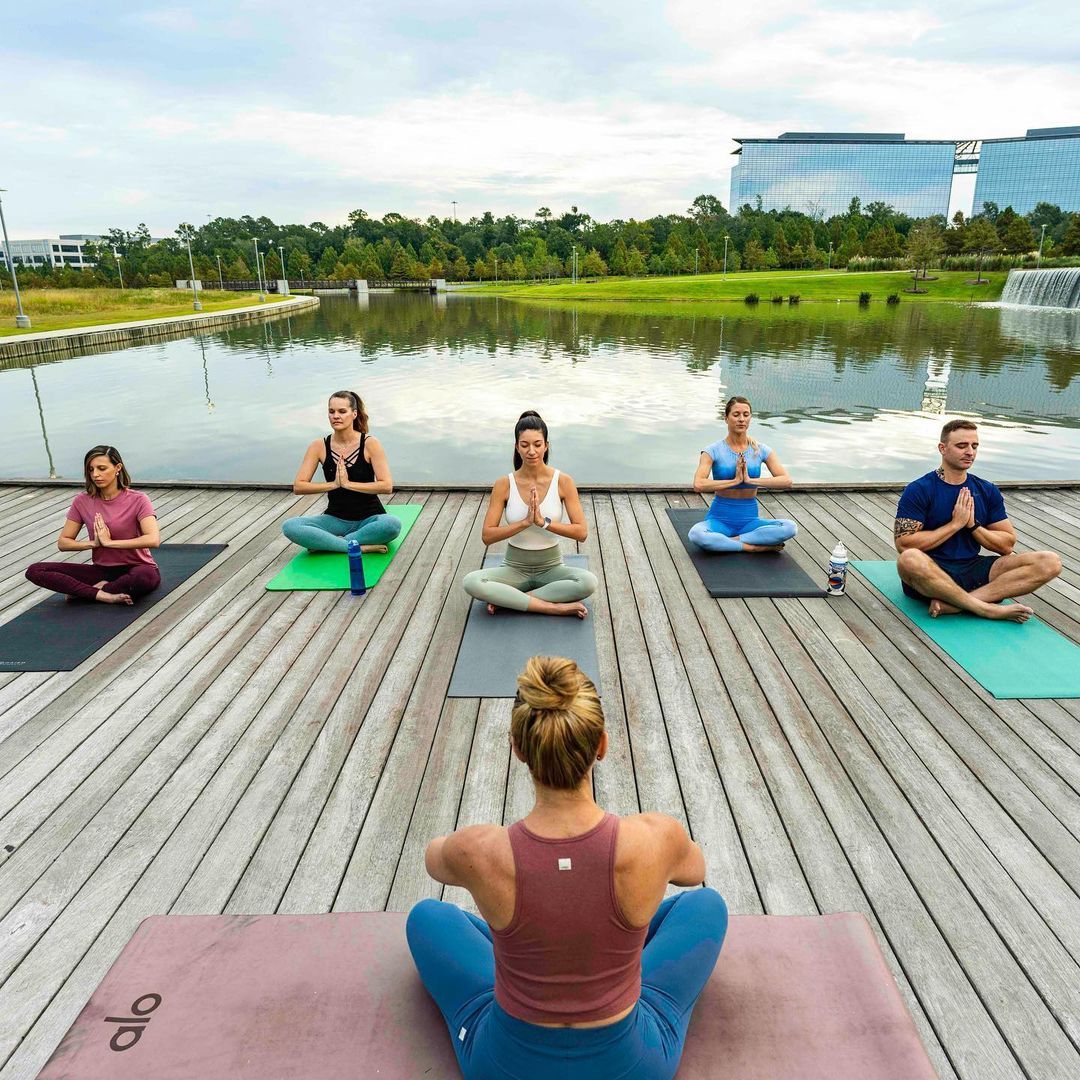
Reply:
x=59, y=634
x=495, y=648
x=743, y=573
x=329, y=997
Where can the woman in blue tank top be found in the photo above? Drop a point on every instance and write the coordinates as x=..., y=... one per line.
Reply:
x=730, y=470
x=355, y=473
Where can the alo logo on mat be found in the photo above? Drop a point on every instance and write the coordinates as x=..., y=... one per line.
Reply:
x=131, y=1027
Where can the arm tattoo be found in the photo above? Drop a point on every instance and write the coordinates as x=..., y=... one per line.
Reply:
x=905, y=526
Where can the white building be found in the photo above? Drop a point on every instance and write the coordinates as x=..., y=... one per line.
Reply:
x=64, y=250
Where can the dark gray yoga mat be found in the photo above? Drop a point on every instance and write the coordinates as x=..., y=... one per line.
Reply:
x=495, y=648
x=59, y=634
x=743, y=573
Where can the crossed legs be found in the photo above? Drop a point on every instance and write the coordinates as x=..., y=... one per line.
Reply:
x=754, y=534
x=1011, y=575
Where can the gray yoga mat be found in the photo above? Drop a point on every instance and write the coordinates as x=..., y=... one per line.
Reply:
x=495, y=648
x=743, y=573
x=59, y=634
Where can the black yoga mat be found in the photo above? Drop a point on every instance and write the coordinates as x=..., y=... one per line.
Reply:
x=495, y=647
x=59, y=634
x=744, y=573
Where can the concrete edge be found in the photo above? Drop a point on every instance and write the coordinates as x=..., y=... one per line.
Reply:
x=255, y=485
x=49, y=342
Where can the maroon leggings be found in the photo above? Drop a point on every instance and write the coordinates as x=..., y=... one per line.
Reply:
x=79, y=579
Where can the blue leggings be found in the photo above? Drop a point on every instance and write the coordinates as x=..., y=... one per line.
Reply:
x=728, y=527
x=452, y=951
x=324, y=532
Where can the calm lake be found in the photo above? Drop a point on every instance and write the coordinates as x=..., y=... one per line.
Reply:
x=631, y=393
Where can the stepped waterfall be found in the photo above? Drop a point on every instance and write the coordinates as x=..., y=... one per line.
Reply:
x=1043, y=288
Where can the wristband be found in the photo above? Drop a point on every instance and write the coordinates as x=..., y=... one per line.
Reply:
x=547, y=523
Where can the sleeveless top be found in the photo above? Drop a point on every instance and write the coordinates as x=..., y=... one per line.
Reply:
x=351, y=505
x=568, y=954
x=725, y=461
x=534, y=538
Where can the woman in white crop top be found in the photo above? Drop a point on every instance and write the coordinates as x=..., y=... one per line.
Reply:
x=540, y=504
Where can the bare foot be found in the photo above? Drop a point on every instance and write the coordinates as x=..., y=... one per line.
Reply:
x=762, y=547
x=491, y=609
x=113, y=597
x=1008, y=612
x=939, y=607
x=374, y=549
x=100, y=584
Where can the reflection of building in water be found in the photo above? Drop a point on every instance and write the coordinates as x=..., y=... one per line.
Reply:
x=935, y=396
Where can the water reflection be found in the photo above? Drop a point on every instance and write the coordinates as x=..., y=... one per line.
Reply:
x=630, y=393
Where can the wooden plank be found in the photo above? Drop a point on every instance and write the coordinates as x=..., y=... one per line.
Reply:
x=372, y=628
x=483, y=794
x=406, y=699
x=654, y=766
x=436, y=808
x=750, y=851
x=43, y=991
x=614, y=785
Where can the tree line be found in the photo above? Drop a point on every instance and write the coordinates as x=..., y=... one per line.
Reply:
x=487, y=248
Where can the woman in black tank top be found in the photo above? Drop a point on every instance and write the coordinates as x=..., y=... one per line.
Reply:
x=356, y=473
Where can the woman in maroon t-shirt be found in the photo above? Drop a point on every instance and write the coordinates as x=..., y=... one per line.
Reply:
x=121, y=529
x=578, y=962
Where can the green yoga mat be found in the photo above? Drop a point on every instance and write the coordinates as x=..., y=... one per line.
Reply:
x=1010, y=660
x=330, y=570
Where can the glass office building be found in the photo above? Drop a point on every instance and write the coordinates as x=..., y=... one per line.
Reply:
x=1043, y=166
x=820, y=172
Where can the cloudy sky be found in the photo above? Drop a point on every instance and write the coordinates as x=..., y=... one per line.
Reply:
x=112, y=113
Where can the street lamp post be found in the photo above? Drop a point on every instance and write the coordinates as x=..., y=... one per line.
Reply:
x=119, y=269
x=22, y=320
x=453, y=203
x=258, y=272
x=191, y=264
x=220, y=279
x=1042, y=237
x=695, y=259
x=829, y=263
x=284, y=272
x=496, y=258
x=574, y=268
x=726, y=239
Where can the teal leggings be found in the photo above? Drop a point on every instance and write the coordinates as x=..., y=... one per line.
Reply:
x=526, y=573
x=324, y=532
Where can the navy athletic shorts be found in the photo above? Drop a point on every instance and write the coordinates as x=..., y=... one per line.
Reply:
x=969, y=574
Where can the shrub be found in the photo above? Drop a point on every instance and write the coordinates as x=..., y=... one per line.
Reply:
x=793, y=298
x=864, y=299
x=777, y=299
x=750, y=298
x=892, y=298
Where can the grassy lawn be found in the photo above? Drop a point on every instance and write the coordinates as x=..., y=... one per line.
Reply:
x=65, y=309
x=809, y=285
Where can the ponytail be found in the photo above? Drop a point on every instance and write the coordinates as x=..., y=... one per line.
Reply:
x=360, y=422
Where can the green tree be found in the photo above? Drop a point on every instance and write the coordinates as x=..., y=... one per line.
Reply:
x=981, y=240
x=593, y=265
x=753, y=255
x=923, y=247
x=459, y=269
x=1070, y=242
x=400, y=265
x=1016, y=237
x=781, y=249
x=299, y=265
x=618, y=257
x=635, y=263
x=327, y=261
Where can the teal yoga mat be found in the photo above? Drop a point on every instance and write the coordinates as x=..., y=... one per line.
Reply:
x=328, y=570
x=1010, y=660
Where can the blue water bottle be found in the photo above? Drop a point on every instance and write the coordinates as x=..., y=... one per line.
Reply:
x=357, y=586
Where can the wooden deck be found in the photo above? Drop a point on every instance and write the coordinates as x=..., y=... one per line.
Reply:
x=239, y=750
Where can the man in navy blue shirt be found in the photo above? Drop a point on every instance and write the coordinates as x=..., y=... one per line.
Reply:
x=945, y=519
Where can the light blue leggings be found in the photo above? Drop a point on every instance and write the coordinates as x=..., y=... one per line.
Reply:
x=452, y=951
x=324, y=532
x=733, y=522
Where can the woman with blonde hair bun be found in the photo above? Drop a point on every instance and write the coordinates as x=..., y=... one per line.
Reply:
x=578, y=961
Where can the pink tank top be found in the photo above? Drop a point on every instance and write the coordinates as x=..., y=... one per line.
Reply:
x=568, y=955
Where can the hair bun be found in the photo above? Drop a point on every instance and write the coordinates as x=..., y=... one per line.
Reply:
x=530, y=412
x=549, y=683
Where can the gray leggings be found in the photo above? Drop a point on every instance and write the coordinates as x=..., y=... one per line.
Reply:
x=526, y=573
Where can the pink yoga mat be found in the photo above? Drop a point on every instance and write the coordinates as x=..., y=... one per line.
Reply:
x=330, y=997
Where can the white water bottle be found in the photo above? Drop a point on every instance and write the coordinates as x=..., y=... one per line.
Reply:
x=837, y=570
